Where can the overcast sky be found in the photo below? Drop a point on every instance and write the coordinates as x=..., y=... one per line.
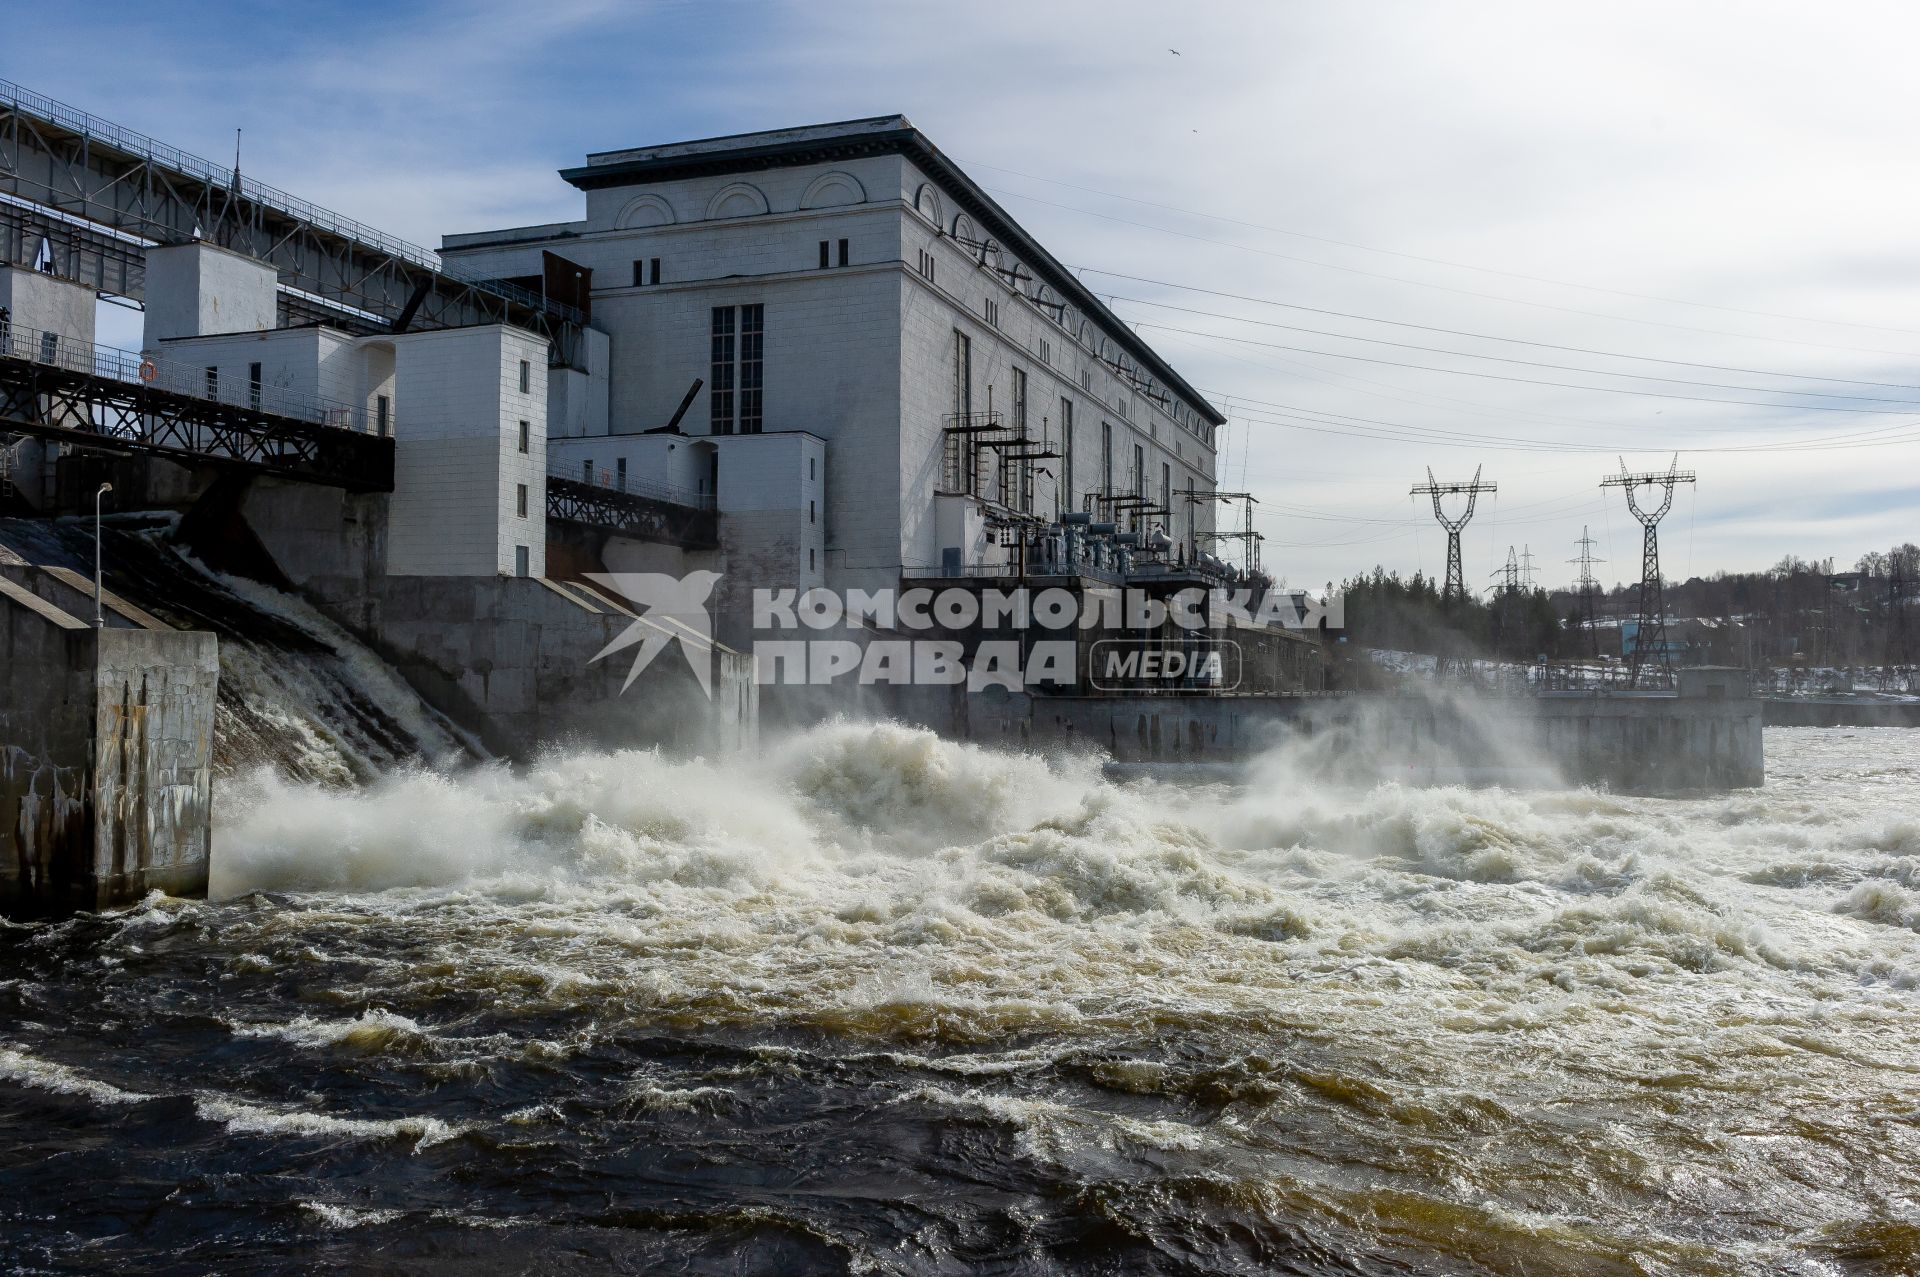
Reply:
x=1728, y=187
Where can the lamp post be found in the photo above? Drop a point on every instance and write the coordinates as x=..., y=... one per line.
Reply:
x=99, y=619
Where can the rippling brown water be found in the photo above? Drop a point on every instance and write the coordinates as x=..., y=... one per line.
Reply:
x=878, y=1003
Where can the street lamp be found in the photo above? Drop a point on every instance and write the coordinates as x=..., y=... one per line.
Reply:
x=99, y=619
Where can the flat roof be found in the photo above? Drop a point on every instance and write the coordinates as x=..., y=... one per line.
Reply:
x=853, y=139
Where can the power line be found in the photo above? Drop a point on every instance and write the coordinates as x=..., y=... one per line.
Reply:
x=1536, y=381
x=1436, y=261
x=1448, y=288
x=1583, y=350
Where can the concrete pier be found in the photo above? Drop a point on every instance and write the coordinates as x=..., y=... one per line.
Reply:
x=106, y=751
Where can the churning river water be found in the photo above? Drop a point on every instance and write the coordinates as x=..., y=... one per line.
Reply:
x=873, y=1002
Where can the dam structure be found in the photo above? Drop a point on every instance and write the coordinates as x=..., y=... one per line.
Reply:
x=400, y=503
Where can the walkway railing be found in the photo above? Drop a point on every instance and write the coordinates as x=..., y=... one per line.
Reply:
x=628, y=485
x=58, y=350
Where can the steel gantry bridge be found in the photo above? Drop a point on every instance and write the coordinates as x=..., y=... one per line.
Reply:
x=88, y=396
x=87, y=198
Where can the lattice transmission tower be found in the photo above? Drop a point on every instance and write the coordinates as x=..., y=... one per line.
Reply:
x=1456, y=587
x=1586, y=591
x=1650, y=633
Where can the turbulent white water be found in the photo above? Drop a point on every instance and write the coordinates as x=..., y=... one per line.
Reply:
x=1526, y=1032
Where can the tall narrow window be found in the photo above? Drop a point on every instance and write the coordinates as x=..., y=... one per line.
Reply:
x=1166, y=495
x=843, y=252
x=520, y=499
x=620, y=474
x=1139, y=471
x=1106, y=459
x=586, y=470
x=382, y=415
x=1066, y=495
x=653, y=271
x=639, y=272
x=526, y=436
x=1021, y=498
x=720, y=380
x=824, y=262
x=253, y=387
x=522, y=561
x=526, y=377
x=753, y=336
x=213, y=383
x=49, y=347
x=962, y=373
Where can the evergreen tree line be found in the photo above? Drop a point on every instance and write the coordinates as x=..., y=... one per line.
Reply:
x=1806, y=611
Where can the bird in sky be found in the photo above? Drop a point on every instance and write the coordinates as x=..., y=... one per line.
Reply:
x=1176, y=53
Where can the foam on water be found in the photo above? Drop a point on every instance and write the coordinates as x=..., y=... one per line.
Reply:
x=1567, y=1027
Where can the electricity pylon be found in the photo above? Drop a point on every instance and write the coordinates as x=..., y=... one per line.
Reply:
x=1586, y=590
x=1651, y=631
x=1455, y=592
x=1456, y=588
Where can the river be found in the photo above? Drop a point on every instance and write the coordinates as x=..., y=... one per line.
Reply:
x=873, y=1002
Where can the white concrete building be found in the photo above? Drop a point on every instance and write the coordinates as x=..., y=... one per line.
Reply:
x=846, y=286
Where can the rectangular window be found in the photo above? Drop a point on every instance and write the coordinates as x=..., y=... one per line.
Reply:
x=843, y=252
x=522, y=561
x=962, y=374
x=991, y=309
x=620, y=474
x=809, y=558
x=1021, y=498
x=1046, y=351
x=520, y=499
x=720, y=379
x=253, y=387
x=1139, y=471
x=382, y=415
x=1065, y=489
x=653, y=268
x=526, y=377
x=810, y=517
x=586, y=470
x=926, y=265
x=213, y=383
x=1166, y=495
x=639, y=272
x=753, y=338
x=526, y=436
x=49, y=347
x=1106, y=459
x=824, y=263
x=809, y=467
x=1086, y=379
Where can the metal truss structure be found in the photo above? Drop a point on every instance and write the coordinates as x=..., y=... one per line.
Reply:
x=1456, y=587
x=67, y=406
x=1586, y=591
x=1248, y=538
x=88, y=198
x=1650, y=635
x=643, y=518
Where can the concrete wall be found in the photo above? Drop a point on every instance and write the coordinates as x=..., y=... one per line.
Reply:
x=196, y=289
x=1629, y=743
x=458, y=468
x=46, y=303
x=106, y=750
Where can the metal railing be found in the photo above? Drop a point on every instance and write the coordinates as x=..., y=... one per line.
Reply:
x=51, y=111
x=57, y=350
x=629, y=485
